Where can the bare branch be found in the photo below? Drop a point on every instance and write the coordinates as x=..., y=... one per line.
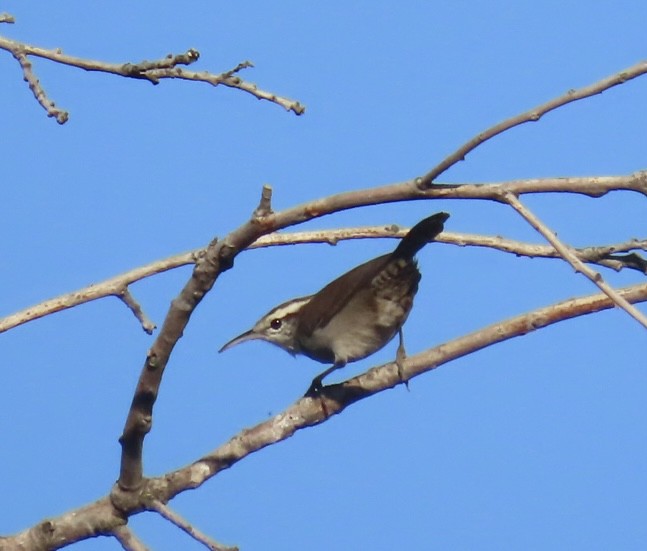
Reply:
x=146, y=69
x=568, y=254
x=217, y=258
x=98, y=518
x=631, y=260
x=102, y=517
x=128, y=299
x=129, y=541
x=532, y=115
x=153, y=71
x=7, y=18
x=307, y=412
x=135, y=493
x=601, y=255
x=181, y=523
x=110, y=287
x=38, y=91
x=405, y=191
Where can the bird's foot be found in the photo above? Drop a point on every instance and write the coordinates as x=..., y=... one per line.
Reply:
x=315, y=388
x=315, y=391
x=400, y=356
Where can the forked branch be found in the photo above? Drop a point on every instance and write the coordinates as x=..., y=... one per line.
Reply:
x=591, y=186
x=571, y=257
x=135, y=493
x=103, y=517
x=168, y=67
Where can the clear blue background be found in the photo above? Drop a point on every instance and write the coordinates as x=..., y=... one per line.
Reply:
x=537, y=443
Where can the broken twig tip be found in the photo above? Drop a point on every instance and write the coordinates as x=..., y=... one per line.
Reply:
x=265, y=206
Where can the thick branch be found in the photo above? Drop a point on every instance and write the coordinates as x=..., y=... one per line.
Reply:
x=95, y=519
x=308, y=411
x=218, y=257
x=102, y=517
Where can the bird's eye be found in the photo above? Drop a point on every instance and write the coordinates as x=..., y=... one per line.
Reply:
x=276, y=324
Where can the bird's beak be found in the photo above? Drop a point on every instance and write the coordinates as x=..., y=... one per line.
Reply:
x=246, y=336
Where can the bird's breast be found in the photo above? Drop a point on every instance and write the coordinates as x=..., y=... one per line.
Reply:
x=364, y=325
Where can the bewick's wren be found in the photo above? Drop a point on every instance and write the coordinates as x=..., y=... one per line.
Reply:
x=356, y=314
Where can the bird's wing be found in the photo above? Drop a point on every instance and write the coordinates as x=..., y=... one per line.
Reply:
x=334, y=296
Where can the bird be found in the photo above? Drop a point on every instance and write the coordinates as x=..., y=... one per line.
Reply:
x=356, y=314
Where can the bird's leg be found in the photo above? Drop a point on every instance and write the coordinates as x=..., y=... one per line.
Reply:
x=400, y=356
x=316, y=386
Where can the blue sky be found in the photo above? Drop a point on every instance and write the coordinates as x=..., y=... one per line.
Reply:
x=538, y=443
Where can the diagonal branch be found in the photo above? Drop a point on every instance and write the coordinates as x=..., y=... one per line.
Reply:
x=128, y=540
x=307, y=412
x=218, y=257
x=37, y=89
x=569, y=255
x=532, y=115
x=170, y=515
x=129, y=300
x=103, y=517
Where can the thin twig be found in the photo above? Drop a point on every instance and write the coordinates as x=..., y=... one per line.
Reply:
x=532, y=115
x=109, y=287
x=187, y=527
x=242, y=65
x=128, y=540
x=129, y=300
x=37, y=89
x=602, y=255
x=569, y=255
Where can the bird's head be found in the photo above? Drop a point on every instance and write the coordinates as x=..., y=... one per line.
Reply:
x=278, y=327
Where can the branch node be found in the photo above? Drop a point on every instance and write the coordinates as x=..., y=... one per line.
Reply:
x=151, y=360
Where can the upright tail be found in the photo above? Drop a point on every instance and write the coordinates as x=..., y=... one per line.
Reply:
x=421, y=234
